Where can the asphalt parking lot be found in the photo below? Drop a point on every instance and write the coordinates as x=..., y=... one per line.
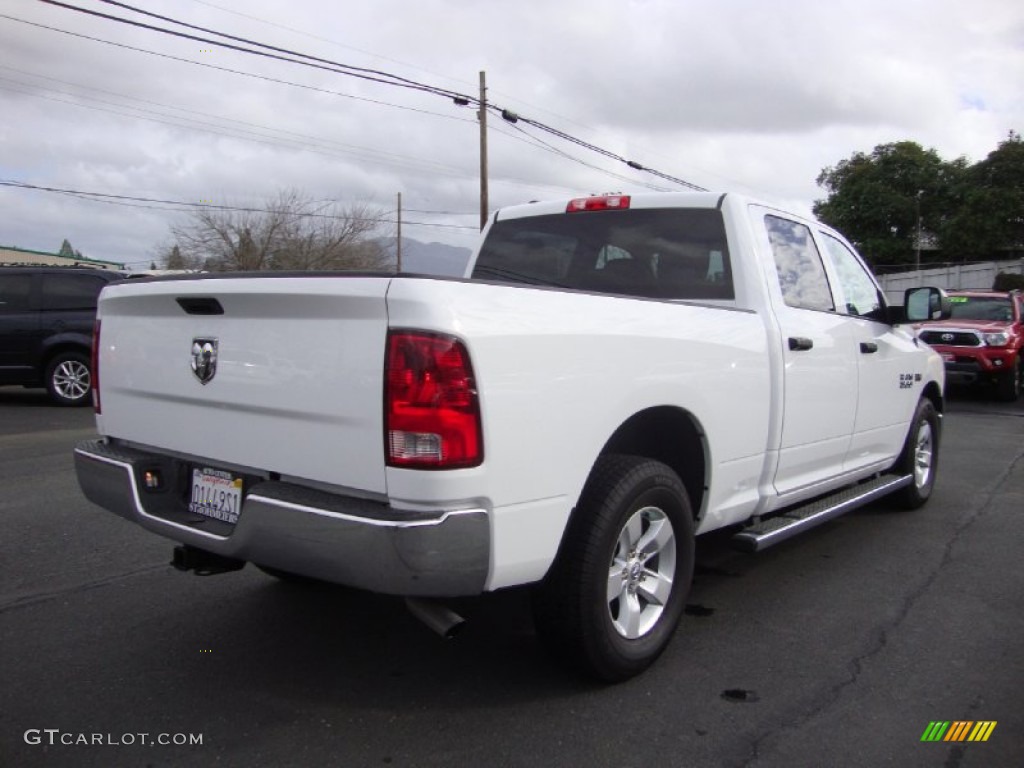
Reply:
x=839, y=647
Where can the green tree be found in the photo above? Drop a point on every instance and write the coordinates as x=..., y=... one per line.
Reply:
x=882, y=200
x=66, y=250
x=1006, y=281
x=175, y=260
x=989, y=217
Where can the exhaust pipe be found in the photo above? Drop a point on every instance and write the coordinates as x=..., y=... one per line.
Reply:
x=204, y=563
x=440, y=618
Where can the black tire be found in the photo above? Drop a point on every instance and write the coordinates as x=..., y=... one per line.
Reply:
x=1008, y=386
x=577, y=617
x=920, y=456
x=69, y=378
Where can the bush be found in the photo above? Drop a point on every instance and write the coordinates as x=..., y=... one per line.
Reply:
x=1007, y=281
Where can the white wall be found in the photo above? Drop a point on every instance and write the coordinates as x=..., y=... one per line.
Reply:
x=953, y=277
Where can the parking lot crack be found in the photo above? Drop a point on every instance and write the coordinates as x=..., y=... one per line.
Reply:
x=27, y=599
x=880, y=640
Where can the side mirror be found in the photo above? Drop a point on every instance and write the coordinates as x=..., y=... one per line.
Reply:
x=926, y=304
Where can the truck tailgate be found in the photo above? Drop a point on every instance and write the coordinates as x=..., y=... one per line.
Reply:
x=295, y=388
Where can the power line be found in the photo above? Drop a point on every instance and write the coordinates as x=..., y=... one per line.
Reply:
x=368, y=53
x=392, y=60
x=404, y=64
x=262, y=134
x=398, y=79
x=388, y=158
x=378, y=76
x=441, y=213
x=601, y=151
x=539, y=143
x=302, y=141
x=328, y=40
x=132, y=200
x=425, y=165
x=344, y=69
x=232, y=71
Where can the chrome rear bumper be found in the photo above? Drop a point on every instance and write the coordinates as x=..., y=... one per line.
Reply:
x=293, y=528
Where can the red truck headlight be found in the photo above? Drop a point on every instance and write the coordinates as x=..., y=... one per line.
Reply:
x=431, y=407
x=998, y=339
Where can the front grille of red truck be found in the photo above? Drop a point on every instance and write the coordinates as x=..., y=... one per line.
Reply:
x=951, y=338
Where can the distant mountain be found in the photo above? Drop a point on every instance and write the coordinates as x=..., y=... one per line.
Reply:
x=433, y=258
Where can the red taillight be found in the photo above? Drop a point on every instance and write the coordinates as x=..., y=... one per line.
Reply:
x=431, y=410
x=94, y=367
x=599, y=203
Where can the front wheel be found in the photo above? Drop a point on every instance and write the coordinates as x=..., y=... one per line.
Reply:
x=920, y=456
x=612, y=601
x=1009, y=385
x=68, y=378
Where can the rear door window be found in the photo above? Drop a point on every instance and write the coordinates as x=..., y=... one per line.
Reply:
x=71, y=292
x=14, y=293
x=664, y=253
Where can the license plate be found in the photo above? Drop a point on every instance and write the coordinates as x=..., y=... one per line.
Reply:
x=949, y=358
x=216, y=494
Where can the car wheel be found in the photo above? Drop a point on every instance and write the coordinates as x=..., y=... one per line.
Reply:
x=612, y=600
x=1009, y=385
x=920, y=456
x=68, y=379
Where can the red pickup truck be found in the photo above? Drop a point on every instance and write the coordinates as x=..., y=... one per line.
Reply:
x=983, y=341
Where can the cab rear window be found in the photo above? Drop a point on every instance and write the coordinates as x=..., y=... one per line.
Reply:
x=664, y=253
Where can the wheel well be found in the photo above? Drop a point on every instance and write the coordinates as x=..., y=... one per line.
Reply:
x=669, y=435
x=933, y=393
x=58, y=349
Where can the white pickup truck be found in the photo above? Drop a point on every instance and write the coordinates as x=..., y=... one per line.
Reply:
x=616, y=375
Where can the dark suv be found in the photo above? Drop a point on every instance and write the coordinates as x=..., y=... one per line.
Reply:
x=46, y=323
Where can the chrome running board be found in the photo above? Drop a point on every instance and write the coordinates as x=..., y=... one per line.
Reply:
x=772, y=530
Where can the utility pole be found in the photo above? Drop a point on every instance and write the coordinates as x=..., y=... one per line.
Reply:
x=482, y=115
x=398, y=248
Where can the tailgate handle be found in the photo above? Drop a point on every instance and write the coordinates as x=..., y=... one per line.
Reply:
x=200, y=305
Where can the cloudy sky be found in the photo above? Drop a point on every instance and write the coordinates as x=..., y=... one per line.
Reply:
x=748, y=95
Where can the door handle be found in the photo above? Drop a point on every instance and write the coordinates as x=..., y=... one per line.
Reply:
x=799, y=344
x=868, y=347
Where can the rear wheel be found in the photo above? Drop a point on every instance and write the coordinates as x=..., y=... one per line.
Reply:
x=611, y=602
x=920, y=456
x=68, y=378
